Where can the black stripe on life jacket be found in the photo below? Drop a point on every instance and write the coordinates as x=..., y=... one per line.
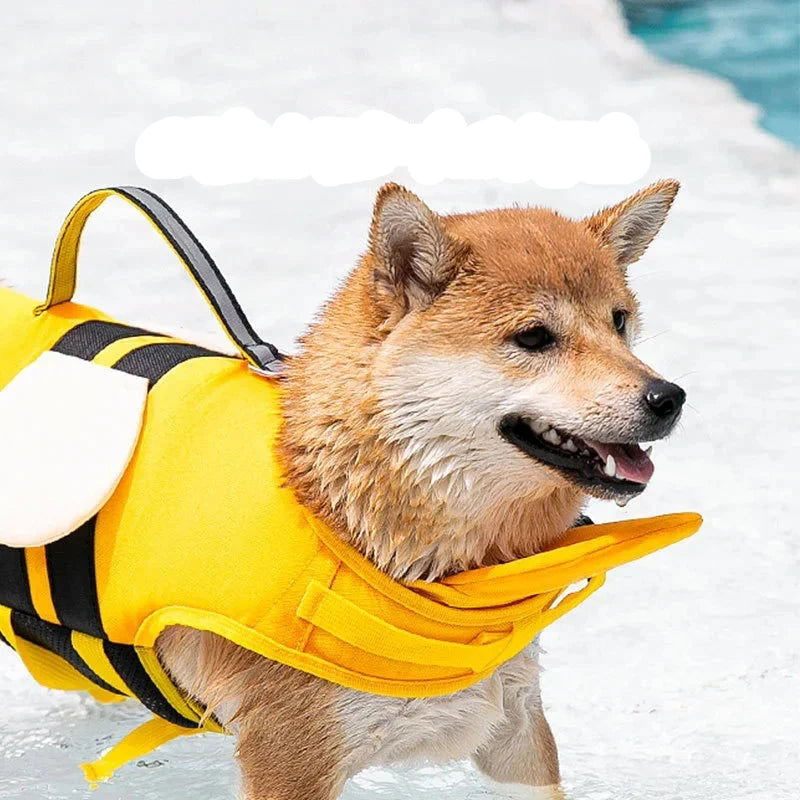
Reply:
x=73, y=585
x=71, y=560
x=57, y=640
x=125, y=661
x=87, y=339
x=15, y=591
x=154, y=361
x=3, y=640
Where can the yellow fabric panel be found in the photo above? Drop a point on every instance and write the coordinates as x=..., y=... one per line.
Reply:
x=171, y=693
x=45, y=667
x=434, y=601
x=90, y=649
x=584, y=552
x=36, y=564
x=332, y=612
x=25, y=336
x=5, y=626
x=204, y=515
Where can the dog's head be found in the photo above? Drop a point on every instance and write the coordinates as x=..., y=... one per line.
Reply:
x=505, y=343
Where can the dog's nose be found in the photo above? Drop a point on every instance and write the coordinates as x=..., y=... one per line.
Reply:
x=664, y=399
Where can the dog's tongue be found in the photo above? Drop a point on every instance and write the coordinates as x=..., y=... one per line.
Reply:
x=633, y=464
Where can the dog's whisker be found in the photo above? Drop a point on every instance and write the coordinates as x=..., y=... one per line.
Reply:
x=652, y=336
x=632, y=278
x=684, y=374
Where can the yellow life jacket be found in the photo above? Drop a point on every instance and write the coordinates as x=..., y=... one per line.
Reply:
x=202, y=532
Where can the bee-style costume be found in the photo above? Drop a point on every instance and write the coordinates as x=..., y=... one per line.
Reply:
x=200, y=531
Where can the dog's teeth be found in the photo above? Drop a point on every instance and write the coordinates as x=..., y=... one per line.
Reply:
x=538, y=426
x=570, y=445
x=610, y=468
x=551, y=436
x=648, y=451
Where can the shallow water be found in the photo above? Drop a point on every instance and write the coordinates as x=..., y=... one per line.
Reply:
x=679, y=679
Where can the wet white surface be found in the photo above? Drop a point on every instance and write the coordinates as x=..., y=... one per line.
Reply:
x=679, y=679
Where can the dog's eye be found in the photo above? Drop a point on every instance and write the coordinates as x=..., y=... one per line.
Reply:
x=620, y=320
x=536, y=338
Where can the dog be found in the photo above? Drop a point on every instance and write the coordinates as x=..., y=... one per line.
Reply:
x=454, y=405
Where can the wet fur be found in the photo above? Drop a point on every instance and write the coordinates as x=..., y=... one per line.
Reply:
x=390, y=435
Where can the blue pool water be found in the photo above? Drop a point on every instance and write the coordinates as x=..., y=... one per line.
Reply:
x=753, y=43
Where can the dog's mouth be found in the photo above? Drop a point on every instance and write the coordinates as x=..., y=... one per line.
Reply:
x=614, y=471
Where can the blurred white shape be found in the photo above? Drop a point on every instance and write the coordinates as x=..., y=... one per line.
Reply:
x=237, y=147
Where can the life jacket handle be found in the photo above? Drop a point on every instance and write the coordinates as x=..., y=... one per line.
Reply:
x=262, y=356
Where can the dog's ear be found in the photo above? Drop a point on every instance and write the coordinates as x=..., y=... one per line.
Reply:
x=414, y=257
x=629, y=227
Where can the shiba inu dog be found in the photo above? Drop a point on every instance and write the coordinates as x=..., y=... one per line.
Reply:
x=466, y=389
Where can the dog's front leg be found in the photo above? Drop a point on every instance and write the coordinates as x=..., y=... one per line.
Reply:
x=522, y=750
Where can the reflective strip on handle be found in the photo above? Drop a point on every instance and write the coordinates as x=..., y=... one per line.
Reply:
x=205, y=273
